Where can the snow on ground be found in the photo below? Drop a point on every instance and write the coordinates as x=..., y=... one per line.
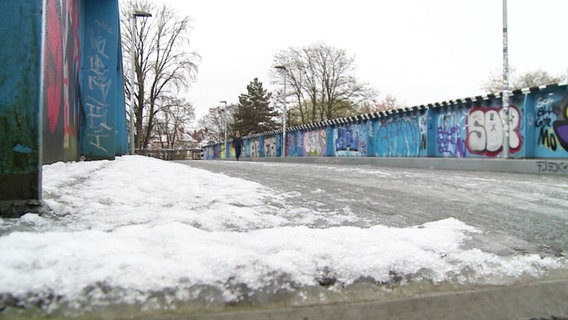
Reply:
x=120, y=231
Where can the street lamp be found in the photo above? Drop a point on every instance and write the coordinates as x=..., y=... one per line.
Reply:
x=283, y=69
x=224, y=119
x=505, y=94
x=135, y=14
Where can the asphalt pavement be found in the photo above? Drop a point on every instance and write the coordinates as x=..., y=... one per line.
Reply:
x=518, y=212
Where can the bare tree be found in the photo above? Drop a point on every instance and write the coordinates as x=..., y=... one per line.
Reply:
x=174, y=118
x=322, y=82
x=535, y=78
x=163, y=65
x=216, y=122
x=388, y=103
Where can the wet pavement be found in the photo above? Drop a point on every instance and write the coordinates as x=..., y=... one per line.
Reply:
x=517, y=212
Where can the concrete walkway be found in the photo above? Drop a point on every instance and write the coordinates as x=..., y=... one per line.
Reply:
x=507, y=212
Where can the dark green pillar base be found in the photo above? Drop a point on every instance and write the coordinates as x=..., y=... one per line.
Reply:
x=20, y=194
x=18, y=208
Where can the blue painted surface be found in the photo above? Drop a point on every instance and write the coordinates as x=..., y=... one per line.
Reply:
x=20, y=119
x=466, y=128
x=121, y=138
x=62, y=102
x=103, y=118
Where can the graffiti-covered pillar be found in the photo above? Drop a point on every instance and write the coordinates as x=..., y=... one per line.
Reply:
x=279, y=142
x=330, y=141
x=61, y=93
x=430, y=132
x=372, y=128
x=528, y=125
x=102, y=114
x=20, y=116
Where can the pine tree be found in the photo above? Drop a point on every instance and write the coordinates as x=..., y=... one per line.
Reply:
x=254, y=113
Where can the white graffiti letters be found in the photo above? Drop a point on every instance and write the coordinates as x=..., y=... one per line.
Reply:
x=99, y=83
x=485, y=130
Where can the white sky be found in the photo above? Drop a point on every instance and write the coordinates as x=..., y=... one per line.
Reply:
x=420, y=51
x=125, y=231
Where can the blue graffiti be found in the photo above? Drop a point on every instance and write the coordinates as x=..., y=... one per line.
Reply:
x=294, y=143
x=449, y=137
x=346, y=139
x=463, y=128
x=351, y=141
x=450, y=142
x=400, y=138
x=561, y=128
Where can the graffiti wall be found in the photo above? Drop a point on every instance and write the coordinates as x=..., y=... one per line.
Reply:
x=536, y=123
x=211, y=153
x=61, y=99
x=485, y=130
x=551, y=124
x=72, y=40
x=315, y=143
x=450, y=133
x=302, y=143
x=351, y=140
x=270, y=146
x=83, y=84
x=252, y=147
x=295, y=143
x=260, y=146
x=61, y=88
x=401, y=136
x=103, y=122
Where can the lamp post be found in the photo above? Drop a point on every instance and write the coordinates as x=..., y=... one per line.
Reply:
x=224, y=120
x=283, y=69
x=505, y=94
x=135, y=14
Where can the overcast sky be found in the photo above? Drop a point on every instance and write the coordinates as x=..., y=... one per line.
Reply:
x=420, y=51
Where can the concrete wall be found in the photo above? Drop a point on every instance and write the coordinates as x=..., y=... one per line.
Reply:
x=61, y=89
x=465, y=128
x=103, y=114
x=20, y=119
x=83, y=100
x=61, y=99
